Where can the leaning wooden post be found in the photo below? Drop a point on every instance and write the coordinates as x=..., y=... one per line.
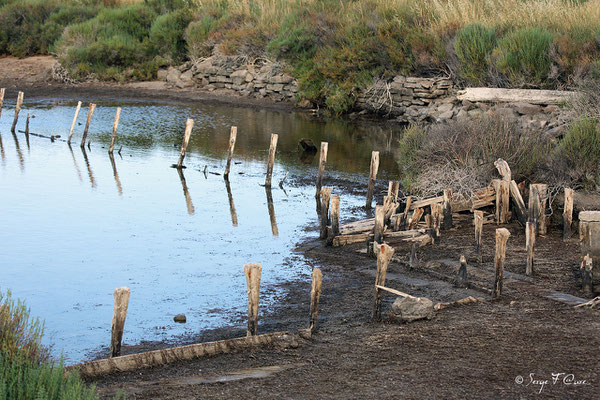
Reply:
x=74, y=121
x=253, y=272
x=272, y=148
x=568, y=214
x=322, y=162
x=530, y=245
x=461, y=278
x=17, y=109
x=121, y=296
x=232, y=137
x=393, y=190
x=189, y=124
x=372, y=178
x=383, y=259
x=587, y=274
x=325, y=196
x=335, y=215
x=1, y=100
x=502, y=235
x=478, y=222
x=447, y=210
x=87, y=123
x=114, y=132
x=315, y=295
x=519, y=204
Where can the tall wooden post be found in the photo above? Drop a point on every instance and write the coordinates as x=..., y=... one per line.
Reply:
x=461, y=278
x=253, y=272
x=372, y=178
x=335, y=215
x=542, y=199
x=189, y=124
x=2, y=90
x=436, y=214
x=530, y=245
x=322, y=162
x=379, y=220
x=502, y=235
x=315, y=295
x=568, y=214
x=114, y=132
x=232, y=138
x=27, y=127
x=74, y=121
x=478, y=222
x=121, y=296
x=383, y=260
x=272, y=148
x=447, y=209
x=87, y=123
x=505, y=201
x=587, y=274
x=325, y=196
x=393, y=190
x=496, y=183
x=533, y=205
x=17, y=109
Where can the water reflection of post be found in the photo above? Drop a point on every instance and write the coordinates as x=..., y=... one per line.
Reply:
x=19, y=153
x=116, y=175
x=75, y=163
x=271, y=211
x=87, y=164
x=186, y=193
x=2, y=149
x=234, y=220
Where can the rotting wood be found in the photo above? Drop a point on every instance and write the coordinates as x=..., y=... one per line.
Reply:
x=529, y=246
x=393, y=190
x=415, y=218
x=114, y=132
x=436, y=215
x=503, y=169
x=20, y=96
x=91, y=109
x=505, y=201
x=335, y=215
x=416, y=235
x=379, y=220
x=322, y=163
x=499, y=95
x=390, y=209
x=315, y=295
x=587, y=274
x=542, y=191
x=343, y=240
x=232, y=138
x=384, y=256
x=325, y=196
x=393, y=291
x=2, y=90
x=447, y=210
x=272, y=149
x=478, y=222
x=568, y=214
x=466, y=300
x=253, y=272
x=121, y=302
x=426, y=202
x=533, y=205
x=519, y=204
x=398, y=222
x=372, y=178
x=27, y=128
x=502, y=235
x=74, y=121
x=413, y=261
x=461, y=276
x=405, y=214
x=496, y=185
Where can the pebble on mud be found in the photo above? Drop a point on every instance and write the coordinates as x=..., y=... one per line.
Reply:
x=180, y=318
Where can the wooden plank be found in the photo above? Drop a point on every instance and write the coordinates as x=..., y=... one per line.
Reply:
x=502, y=235
x=426, y=202
x=272, y=149
x=372, y=178
x=121, y=302
x=568, y=214
x=74, y=121
x=114, y=132
x=384, y=255
x=315, y=295
x=532, y=96
x=393, y=291
x=322, y=163
x=343, y=240
x=253, y=272
x=232, y=139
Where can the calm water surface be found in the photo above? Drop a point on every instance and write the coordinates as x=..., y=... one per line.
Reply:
x=75, y=225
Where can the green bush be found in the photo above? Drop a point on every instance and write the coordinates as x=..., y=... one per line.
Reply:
x=473, y=46
x=579, y=152
x=167, y=35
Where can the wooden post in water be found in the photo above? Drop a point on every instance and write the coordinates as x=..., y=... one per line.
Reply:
x=529, y=245
x=87, y=123
x=447, y=209
x=315, y=295
x=232, y=138
x=325, y=196
x=272, y=148
x=383, y=260
x=335, y=215
x=2, y=90
x=502, y=235
x=189, y=124
x=17, y=109
x=27, y=127
x=322, y=162
x=478, y=222
x=253, y=272
x=379, y=220
x=461, y=278
x=587, y=274
x=74, y=121
x=121, y=296
x=114, y=132
x=568, y=214
x=372, y=178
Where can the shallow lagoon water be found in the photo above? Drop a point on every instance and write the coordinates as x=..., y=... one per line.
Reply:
x=75, y=226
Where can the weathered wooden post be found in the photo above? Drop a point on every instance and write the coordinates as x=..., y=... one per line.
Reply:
x=121, y=296
x=253, y=272
x=372, y=178
x=496, y=183
x=461, y=277
x=2, y=90
x=232, y=138
x=533, y=205
x=315, y=295
x=530, y=245
x=27, y=127
x=325, y=196
x=415, y=218
x=402, y=219
x=322, y=162
x=114, y=132
x=74, y=121
x=87, y=123
x=568, y=214
x=478, y=222
x=504, y=201
x=17, y=109
x=447, y=209
x=271, y=209
x=393, y=190
x=335, y=215
x=587, y=274
x=383, y=259
x=519, y=204
x=436, y=213
x=189, y=124
x=272, y=148
x=379, y=221
x=541, y=189
x=502, y=235
x=413, y=260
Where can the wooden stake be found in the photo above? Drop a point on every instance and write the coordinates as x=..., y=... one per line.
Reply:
x=502, y=235
x=271, y=208
x=478, y=222
x=335, y=215
x=322, y=162
x=587, y=275
x=393, y=190
x=529, y=245
x=121, y=296
x=379, y=220
x=461, y=278
x=496, y=185
x=413, y=261
x=415, y=218
x=384, y=255
x=189, y=124
x=504, y=201
x=519, y=204
x=568, y=214
x=436, y=215
x=542, y=194
x=17, y=109
x=87, y=123
x=272, y=148
x=114, y=132
x=27, y=127
x=325, y=196
x=232, y=137
x=447, y=209
x=253, y=272
x=74, y=121
x=2, y=90
x=533, y=205
x=315, y=295
x=372, y=178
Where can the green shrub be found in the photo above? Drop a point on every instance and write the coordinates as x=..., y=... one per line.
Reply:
x=579, y=152
x=199, y=35
x=167, y=35
x=473, y=46
x=408, y=151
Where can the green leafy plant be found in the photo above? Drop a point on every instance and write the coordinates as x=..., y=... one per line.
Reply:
x=473, y=46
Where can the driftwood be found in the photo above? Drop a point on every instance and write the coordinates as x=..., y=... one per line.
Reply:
x=414, y=235
x=532, y=96
x=466, y=300
x=393, y=291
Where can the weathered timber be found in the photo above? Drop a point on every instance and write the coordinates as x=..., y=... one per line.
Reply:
x=404, y=219
x=466, y=300
x=393, y=291
x=372, y=178
x=496, y=185
x=533, y=205
x=272, y=149
x=74, y=121
x=568, y=214
x=426, y=202
x=91, y=109
x=542, y=191
x=343, y=240
x=325, y=196
x=114, y=132
x=414, y=235
x=322, y=163
x=121, y=302
x=503, y=169
x=478, y=222
x=529, y=246
x=532, y=96
x=379, y=224
x=518, y=203
x=17, y=110
x=416, y=217
x=447, y=210
x=587, y=274
x=2, y=90
x=461, y=277
x=232, y=139
x=315, y=295
x=393, y=190
x=436, y=215
x=253, y=272
x=502, y=235
x=384, y=255
x=505, y=201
